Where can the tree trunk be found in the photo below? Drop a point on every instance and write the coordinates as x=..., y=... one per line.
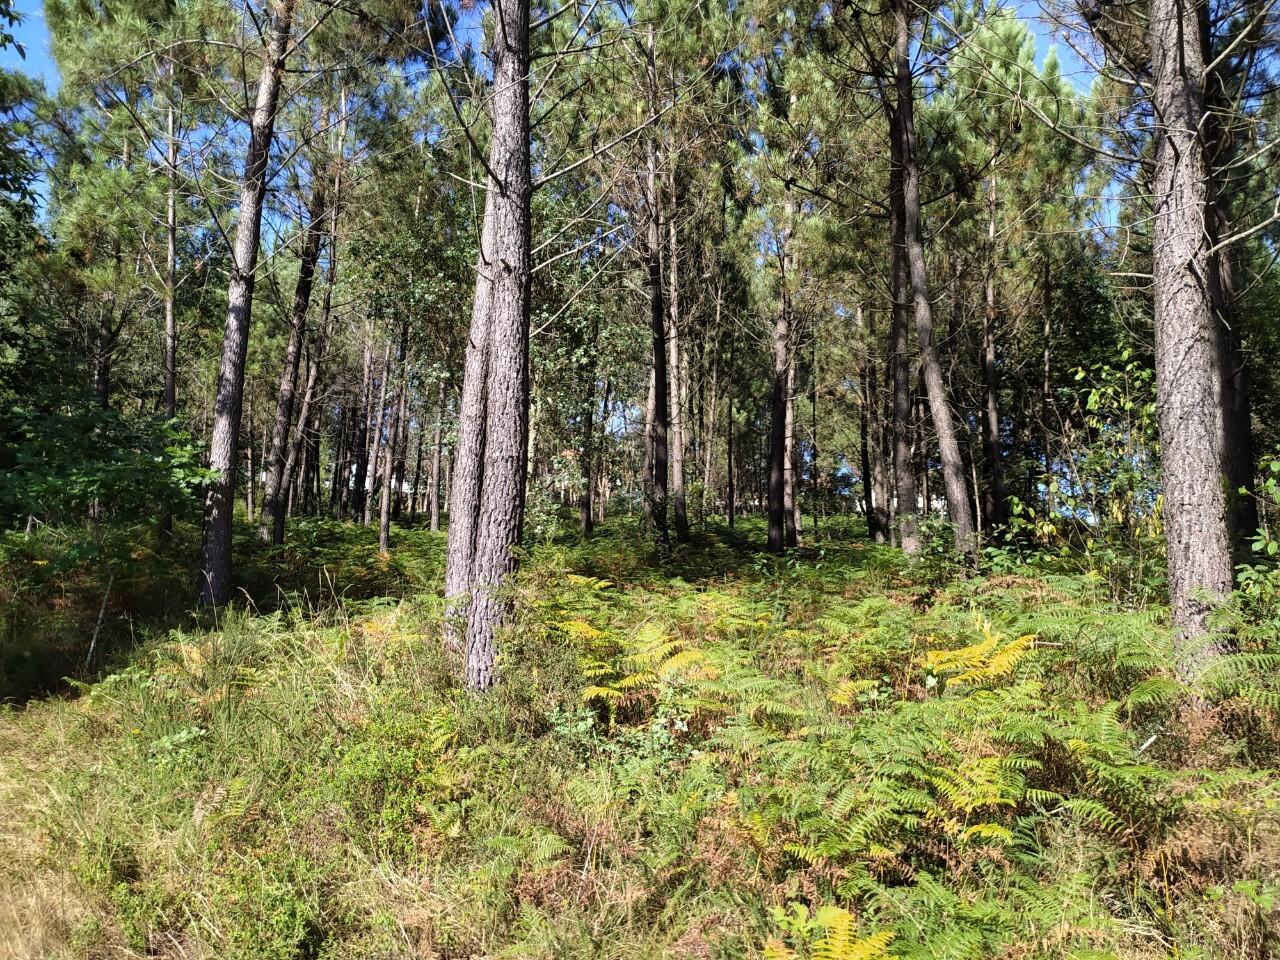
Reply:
x=296, y=448
x=995, y=502
x=790, y=502
x=906, y=529
x=171, y=264
x=361, y=440
x=215, y=575
x=493, y=434
x=341, y=451
x=730, y=494
x=376, y=445
x=656, y=499
x=1188, y=378
x=393, y=433
x=781, y=531
x=415, y=498
x=864, y=461
x=249, y=506
x=876, y=469
x=939, y=407
x=437, y=438
x=271, y=528
x=675, y=367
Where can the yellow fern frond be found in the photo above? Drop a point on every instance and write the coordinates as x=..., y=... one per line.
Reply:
x=840, y=940
x=603, y=694
x=580, y=629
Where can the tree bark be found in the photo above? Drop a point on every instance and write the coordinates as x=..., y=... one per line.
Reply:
x=586, y=515
x=1188, y=373
x=731, y=494
x=939, y=407
x=489, y=478
x=906, y=529
x=393, y=433
x=271, y=529
x=995, y=501
x=171, y=262
x=215, y=572
x=674, y=367
x=437, y=438
x=781, y=492
x=656, y=499
x=790, y=502
x=376, y=445
x=361, y=429
x=304, y=412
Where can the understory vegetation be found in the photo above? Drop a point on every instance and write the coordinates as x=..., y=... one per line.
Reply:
x=696, y=751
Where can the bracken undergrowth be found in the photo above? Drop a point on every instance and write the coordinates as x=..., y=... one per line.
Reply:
x=694, y=753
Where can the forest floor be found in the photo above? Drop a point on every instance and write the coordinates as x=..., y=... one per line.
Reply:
x=695, y=753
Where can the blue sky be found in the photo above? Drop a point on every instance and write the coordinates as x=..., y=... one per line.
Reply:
x=32, y=34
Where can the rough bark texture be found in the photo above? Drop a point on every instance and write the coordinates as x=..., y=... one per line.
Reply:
x=1188, y=379
x=489, y=478
x=171, y=265
x=370, y=479
x=907, y=527
x=296, y=448
x=393, y=433
x=215, y=568
x=656, y=501
x=731, y=493
x=790, y=502
x=939, y=407
x=995, y=501
x=781, y=494
x=586, y=515
x=674, y=366
x=272, y=527
x=778, y=508
x=876, y=470
x=437, y=442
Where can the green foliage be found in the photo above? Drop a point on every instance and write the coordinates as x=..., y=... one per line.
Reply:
x=697, y=756
x=63, y=464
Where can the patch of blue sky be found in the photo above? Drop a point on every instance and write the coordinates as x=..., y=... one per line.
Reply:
x=32, y=34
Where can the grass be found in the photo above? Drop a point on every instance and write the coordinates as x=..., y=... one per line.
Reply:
x=699, y=753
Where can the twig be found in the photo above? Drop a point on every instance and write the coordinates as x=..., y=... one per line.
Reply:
x=102, y=612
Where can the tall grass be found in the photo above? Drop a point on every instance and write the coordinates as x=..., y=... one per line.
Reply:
x=705, y=753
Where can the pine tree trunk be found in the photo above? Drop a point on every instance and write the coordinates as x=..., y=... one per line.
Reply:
x=878, y=500
x=731, y=494
x=939, y=407
x=1188, y=374
x=393, y=433
x=493, y=438
x=781, y=488
x=215, y=575
x=271, y=529
x=437, y=439
x=415, y=499
x=656, y=499
x=171, y=265
x=170, y=278
x=250, y=484
x=906, y=530
x=289, y=481
x=341, y=452
x=790, y=502
x=586, y=515
x=361, y=430
x=674, y=367
x=376, y=445
x=995, y=501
